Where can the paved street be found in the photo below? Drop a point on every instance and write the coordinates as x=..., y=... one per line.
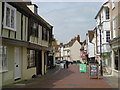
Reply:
x=69, y=78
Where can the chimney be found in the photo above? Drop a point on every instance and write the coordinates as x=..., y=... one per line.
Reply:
x=78, y=38
x=33, y=8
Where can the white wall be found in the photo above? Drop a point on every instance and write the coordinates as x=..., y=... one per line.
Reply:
x=91, y=50
x=75, y=51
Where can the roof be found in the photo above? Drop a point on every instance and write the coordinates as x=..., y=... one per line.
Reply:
x=84, y=42
x=90, y=35
x=100, y=9
x=70, y=43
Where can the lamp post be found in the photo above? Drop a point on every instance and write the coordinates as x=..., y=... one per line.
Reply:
x=101, y=70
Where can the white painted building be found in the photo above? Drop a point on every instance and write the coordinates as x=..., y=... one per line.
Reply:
x=90, y=44
x=103, y=29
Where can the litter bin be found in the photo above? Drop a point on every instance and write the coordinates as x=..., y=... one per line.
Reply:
x=83, y=68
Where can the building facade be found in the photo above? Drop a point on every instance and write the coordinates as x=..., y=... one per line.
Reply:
x=25, y=42
x=103, y=34
x=115, y=36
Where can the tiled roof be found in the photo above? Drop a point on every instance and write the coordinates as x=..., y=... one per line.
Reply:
x=90, y=35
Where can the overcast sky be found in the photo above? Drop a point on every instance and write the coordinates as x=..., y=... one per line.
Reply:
x=69, y=18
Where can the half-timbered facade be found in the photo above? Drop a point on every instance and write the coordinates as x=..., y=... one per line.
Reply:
x=25, y=40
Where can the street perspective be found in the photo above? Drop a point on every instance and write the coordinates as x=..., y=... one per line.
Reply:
x=60, y=45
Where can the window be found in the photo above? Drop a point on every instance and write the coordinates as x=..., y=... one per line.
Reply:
x=107, y=36
x=31, y=58
x=9, y=17
x=107, y=13
x=3, y=57
x=33, y=25
x=113, y=4
x=114, y=27
x=45, y=34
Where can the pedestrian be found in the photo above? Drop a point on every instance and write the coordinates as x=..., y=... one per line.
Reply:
x=67, y=63
x=96, y=61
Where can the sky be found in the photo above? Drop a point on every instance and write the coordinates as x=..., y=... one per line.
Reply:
x=69, y=19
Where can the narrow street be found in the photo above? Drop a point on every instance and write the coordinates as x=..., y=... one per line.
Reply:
x=69, y=78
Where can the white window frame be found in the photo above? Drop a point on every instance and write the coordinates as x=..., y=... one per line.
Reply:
x=31, y=58
x=107, y=36
x=3, y=68
x=113, y=4
x=114, y=27
x=11, y=8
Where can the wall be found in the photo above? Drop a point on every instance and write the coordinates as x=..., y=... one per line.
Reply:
x=43, y=67
x=91, y=50
x=0, y=17
x=75, y=51
x=26, y=73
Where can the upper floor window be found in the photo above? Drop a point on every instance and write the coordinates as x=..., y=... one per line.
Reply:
x=107, y=36
x=107, y=13
x=3, y=58
x=114, y=27
x=113, y=4
x=9, y=17
x=45, y=34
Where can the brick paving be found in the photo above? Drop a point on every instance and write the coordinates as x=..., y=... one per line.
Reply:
x=70, y=78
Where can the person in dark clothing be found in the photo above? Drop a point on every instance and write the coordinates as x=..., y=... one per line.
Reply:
x=67, y=63
x=96, y=61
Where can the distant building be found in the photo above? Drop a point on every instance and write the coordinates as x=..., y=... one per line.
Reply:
x=90, y=45
x=70, y=51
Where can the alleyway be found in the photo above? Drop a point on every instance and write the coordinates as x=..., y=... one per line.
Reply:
x=70, y=78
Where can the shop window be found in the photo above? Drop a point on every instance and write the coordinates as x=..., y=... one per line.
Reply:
x=9, y=17
x=3, y=58
x=31, y=58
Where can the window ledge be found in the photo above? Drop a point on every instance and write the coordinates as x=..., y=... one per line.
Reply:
x=8, y=28
x=3, y=71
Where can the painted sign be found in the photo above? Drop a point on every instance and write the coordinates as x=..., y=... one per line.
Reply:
x=93, y=70
x=83, y=68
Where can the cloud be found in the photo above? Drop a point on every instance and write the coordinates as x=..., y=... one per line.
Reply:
x=69, y=19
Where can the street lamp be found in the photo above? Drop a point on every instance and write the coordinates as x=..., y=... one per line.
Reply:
x=101, y=70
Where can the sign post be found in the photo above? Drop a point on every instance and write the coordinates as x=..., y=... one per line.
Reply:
x=83, y=68
x=93, y=70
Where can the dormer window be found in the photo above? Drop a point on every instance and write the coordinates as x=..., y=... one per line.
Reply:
x=9, y=17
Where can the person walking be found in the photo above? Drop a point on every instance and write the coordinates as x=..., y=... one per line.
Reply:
x=67, y=63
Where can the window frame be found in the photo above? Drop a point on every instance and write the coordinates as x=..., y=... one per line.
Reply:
x=4, y=23
x=114, y=27
x=107, y=14
x=4, y=68
x=29, y=59
x=113, y=4
x=107, y=40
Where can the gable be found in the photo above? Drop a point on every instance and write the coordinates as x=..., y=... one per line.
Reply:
x=76, y=44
